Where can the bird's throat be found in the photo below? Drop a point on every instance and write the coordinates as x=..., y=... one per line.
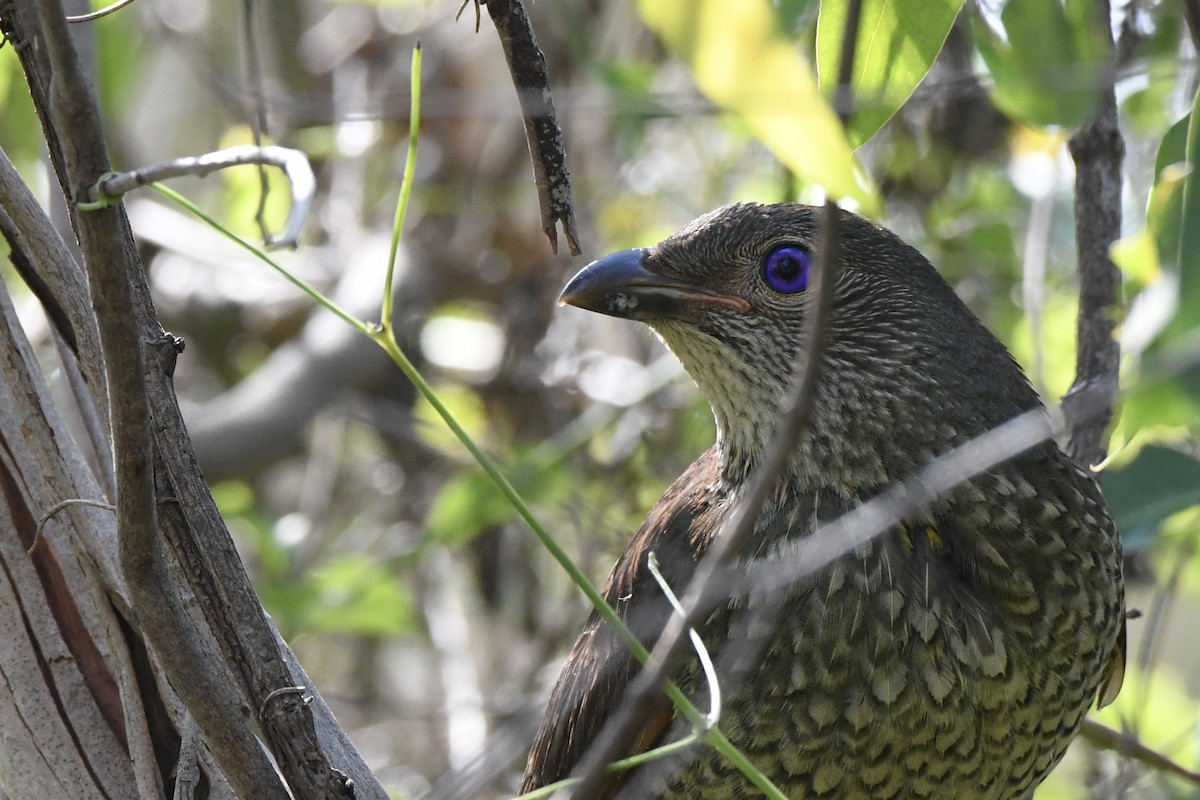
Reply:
x=745, y=399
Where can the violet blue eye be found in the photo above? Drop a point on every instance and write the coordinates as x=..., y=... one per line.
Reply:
x=786, y=269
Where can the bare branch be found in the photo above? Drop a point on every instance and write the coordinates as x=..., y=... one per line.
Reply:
x=258, y=125
x=53, y=614
x=227, y=662
x=109, y=250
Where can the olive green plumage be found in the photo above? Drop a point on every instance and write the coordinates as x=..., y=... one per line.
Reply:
x=953, y=656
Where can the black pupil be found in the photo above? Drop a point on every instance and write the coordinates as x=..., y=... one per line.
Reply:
x=787, y=267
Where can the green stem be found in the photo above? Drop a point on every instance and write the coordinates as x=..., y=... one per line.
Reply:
x=624, y=765
x=406, y=185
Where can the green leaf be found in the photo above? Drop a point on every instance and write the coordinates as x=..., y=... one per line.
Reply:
x=469, y=503
x=742, y=63
x=1147, y=256
x=355, y=595
x=1159, y=482
x=1173, y=147
x=1171, y=241
x=1187, y=256
x=1159, y=404
x=897, y=43
x=1048, y=66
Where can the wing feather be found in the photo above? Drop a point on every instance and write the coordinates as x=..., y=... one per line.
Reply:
x=600, y=667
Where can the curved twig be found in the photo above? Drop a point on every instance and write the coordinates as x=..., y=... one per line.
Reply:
x=113, y=185
x=103, y=12
x=57, y=507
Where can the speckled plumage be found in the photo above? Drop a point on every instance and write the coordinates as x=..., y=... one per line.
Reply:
x=955, y=655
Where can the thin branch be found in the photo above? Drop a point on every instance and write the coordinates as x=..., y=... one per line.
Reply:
x=406, y=185
x=624, y=765
x=113, y=185
x=57, y=507
x=546, y=150
x=1129, y=746
x=258, y=125
x=703, y=591
x=1098, y=151
x=463, y=8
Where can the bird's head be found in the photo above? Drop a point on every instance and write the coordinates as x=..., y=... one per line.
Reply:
x=908, y=370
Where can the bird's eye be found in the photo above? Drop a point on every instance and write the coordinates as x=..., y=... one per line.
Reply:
x=786, y=269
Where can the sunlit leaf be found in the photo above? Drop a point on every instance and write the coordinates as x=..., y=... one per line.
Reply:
x=898, y=41
x=1137, y=258
x=1173, y=147
x=743, y=64
x=1164, y=321
x=467, y=408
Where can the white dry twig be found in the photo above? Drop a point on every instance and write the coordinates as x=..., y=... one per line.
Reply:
x=114, y=185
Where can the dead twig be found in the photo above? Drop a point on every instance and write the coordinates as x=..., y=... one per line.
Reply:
x=546, y=150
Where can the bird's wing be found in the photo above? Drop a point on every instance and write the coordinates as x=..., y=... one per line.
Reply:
x=600, y=667
x=1114, y=672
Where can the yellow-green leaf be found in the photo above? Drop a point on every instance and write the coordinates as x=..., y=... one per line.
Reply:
x=898, y=41
x=743, y=64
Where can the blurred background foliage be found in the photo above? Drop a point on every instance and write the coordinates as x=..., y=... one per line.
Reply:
x=424, y=611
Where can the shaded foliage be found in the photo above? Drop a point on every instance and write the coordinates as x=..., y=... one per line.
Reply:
x=418, y=602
